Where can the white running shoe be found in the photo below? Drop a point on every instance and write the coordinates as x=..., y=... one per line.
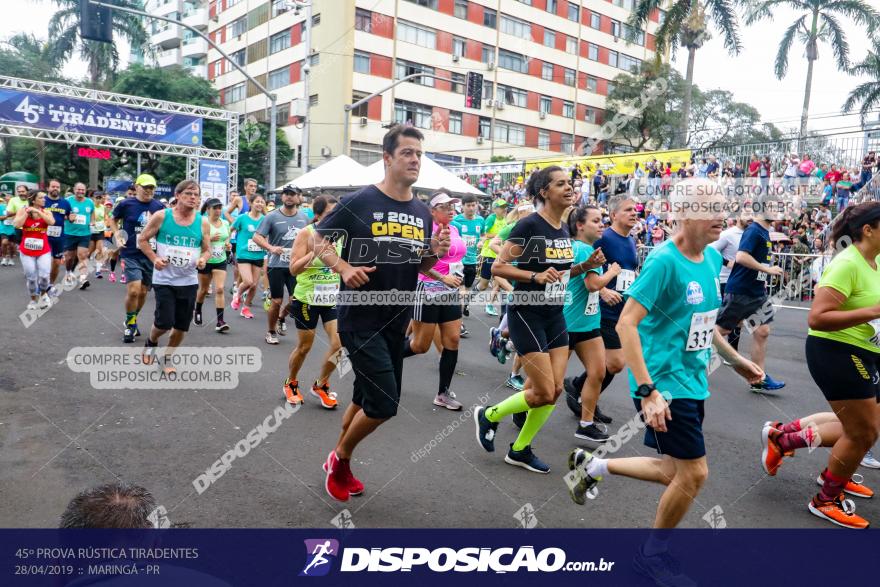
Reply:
x=11, y=262
x=870, y=462
x=3, y=262
x=45, y=302
x=32, y=305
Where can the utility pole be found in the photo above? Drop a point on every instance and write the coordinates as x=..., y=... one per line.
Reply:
x=306, y=69
x=273, y=99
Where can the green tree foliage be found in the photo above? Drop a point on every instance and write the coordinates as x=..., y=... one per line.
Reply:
x=253, y=152
x=866, y=96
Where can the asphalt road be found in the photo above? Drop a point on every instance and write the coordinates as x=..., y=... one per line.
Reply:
x=58, y=435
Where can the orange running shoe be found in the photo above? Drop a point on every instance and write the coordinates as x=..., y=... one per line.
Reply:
x=323, y=393
x=778, y=425
x=771, y=455
x=839, y=511
x=854, y=486
x=291, y=392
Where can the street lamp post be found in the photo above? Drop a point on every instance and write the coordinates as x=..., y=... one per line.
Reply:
x=273, y=99
x=349, y=107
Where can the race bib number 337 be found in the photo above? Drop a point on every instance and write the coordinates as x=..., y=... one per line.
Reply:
x=701, y=331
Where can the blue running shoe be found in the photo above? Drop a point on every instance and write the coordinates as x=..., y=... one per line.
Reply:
x=490, y=309
x=515, y=382
x=768, y=384
x=485, y=429
x=494, y=341
x=662, y=569
x=526, y=459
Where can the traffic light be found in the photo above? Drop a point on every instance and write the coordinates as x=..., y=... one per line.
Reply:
x=95, y=22
x=473, y=98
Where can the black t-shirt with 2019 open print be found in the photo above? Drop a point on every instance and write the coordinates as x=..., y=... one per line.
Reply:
x=387, y=234
x=544, y=246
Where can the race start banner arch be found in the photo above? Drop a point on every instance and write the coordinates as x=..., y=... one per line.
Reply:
x=81, y=116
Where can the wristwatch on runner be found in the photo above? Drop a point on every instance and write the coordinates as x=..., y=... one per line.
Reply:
x=646, y=389
x=532, y=277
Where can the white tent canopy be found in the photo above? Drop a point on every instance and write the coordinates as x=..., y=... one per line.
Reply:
x=431, y=177
x=340, y=172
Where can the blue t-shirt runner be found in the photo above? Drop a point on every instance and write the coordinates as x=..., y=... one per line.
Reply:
x=470, y=231
x=621, y=250
x=750, y=282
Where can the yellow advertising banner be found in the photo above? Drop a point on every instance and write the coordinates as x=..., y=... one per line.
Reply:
x=618, y=164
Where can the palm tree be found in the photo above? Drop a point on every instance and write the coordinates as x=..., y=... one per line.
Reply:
x=868, y=93
x=819, y=22
x=102, y=58
x=686, y=24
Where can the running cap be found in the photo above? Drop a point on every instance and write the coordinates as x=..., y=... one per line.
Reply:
x=145, y=180
x=499, y=203
x=290, y=189
x=442, y=198
x=213, y=203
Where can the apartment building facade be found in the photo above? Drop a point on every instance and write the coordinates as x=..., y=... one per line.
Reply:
x=547, y=68
x=173, y=44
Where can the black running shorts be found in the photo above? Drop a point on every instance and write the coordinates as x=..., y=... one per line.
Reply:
x=470, y=274
x=174, y=306
x=608, y=328
x=377, y=360
x=536, y=332
x=683, y=438
x=735, y=308
x=575, y=338
x=306, y=317
x=843, y=371
x=280, y=278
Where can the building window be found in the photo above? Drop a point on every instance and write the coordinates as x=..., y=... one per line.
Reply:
x=544, y=140
x=568, y=109
x=547, y=71
x=615, y=28
x=490, y=18
x=432, y=4
x=279, y=42
x=514, y=61
x=516, y=27
x=239, y=57
x=405, y=68
x=488, y=54
x=595, y=21
x=459, y=46
x=234, y=93
x=546, y=104
x=569, y=79
x=590, y=115
x=314, y=59
x=363, y=20
x=278, y=7
x=256, y=17
x=362, y=110
x=592, y=84
x=513, y=96
x=611, y=87
x=366, y=153
x=279, y=78
x=628, y=63
x=417, y=35
x=488, y=90
x=574, y=12
x=593, y=51
x=485, y=127
x=567, y=144
x=551, y=6
x=626, y=31
x=458, y=82
x=461, y=9
x=455, y=123
x=507, y=132
x=526, y=2
x=627, y=4
x=361, y=62
x=571, y=45
x=612, y=58
x=549, y=38
x=417, y=115
x=238, y=27
x=282, y=113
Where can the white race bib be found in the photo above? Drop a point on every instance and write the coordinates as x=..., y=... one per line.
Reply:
x=555, y=292
x=469, y=241
x=179, y=256
x=592, y=304
x=217, y=252
x=53, y=231
x=285, y=255
x=625, y=279
x=253, y=247
x=99, y=227
x=152, y=242
x=875, y=324
x=702, y=330
x=80, y=219
x=33, y=244
x=762, y=276
x=325, y=294
x=456, y=269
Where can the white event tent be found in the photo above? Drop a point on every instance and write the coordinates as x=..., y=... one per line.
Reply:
x=431, y=177
x=341, y=172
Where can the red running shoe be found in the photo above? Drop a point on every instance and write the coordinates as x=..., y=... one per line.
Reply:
x=335, y=482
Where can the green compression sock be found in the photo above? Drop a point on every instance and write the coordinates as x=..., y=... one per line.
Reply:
x=512, y=405
x=131, y=318
x=534, y=422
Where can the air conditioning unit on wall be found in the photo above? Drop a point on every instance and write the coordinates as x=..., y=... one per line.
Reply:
x=455, y=58
x=363, y=121
x=542, y=115
x=479, y=140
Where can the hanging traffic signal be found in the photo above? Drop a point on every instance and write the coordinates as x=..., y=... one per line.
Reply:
x=95, y=22
x=474, y=96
